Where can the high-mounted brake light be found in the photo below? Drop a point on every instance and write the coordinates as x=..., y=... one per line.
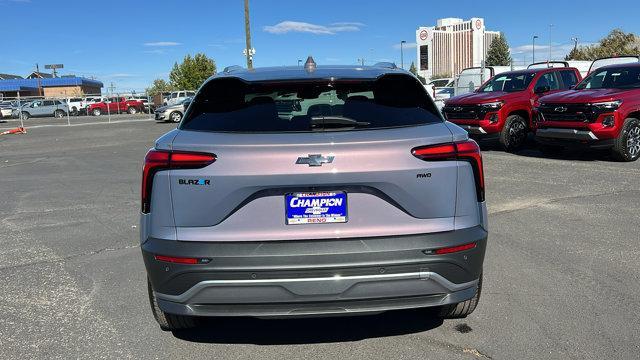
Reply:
x=157, y=160
x=464, y=151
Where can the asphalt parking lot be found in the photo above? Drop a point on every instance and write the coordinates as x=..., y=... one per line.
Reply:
x=38, y=122
x=561, y=273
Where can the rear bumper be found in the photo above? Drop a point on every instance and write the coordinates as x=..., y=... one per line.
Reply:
x=319, y=277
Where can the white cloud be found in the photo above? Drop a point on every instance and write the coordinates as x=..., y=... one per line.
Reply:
x=162, y=43
x=304, y=27
x=524, y=53
x=155, y=51
x=409, y=45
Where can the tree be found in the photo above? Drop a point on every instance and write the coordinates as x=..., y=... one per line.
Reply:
x=158, y=87
x=498, y=54
x=192, y=72
x=616, y=43
x=413, y=69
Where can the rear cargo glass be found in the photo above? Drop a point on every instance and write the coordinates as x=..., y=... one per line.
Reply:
x=233, y=105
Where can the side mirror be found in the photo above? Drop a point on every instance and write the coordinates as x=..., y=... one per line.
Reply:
x=542, y=89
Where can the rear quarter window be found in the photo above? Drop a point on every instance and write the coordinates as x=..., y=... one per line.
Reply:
x=232, y=105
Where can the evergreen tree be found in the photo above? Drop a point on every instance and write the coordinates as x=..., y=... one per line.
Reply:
x=413, y=69
x=158, y=87
x=498, y=54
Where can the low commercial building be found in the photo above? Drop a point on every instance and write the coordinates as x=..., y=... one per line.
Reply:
x=50, y=87
x=452, y=45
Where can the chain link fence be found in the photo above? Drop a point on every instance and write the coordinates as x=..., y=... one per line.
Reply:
x=60, y=110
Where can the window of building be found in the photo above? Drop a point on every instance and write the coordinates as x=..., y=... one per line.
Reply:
x=424, y=57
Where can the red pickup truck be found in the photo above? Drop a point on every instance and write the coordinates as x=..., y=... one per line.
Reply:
x=602, y=111
x=116, y=105
x=502, y=107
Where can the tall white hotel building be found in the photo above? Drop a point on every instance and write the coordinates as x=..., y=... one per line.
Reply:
x=452, y=45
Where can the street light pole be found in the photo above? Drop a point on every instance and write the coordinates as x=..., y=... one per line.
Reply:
x=402, y=42
x=533, y=61
x=247, y=31
x=299, y=61
x=550, y=27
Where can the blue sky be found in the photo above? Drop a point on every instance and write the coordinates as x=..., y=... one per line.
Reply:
x=130, y=43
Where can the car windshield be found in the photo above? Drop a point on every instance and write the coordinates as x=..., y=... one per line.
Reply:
x=612, y=78
x=232, y=105
x=508, y=82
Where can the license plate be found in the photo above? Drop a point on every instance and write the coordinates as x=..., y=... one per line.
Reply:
x=316, y=207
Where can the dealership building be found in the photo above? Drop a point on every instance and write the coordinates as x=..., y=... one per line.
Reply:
x=41, y=84
x=452, y=45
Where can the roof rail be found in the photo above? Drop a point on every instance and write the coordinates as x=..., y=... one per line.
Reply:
x=547, y=64
x=386, y=64
x=232, y=68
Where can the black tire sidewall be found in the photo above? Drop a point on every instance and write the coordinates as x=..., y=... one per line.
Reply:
x=171, y=117
x=620, y=150
x=505, y=136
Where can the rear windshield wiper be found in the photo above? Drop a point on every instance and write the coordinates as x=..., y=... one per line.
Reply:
x=333, y=121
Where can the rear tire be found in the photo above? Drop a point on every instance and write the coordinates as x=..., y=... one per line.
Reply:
x=25, y=115
x=58, y=114
x=96, y=112
x=514, y=133
x=175, y=116
x=132, y=110
x=168, y=322
x=462, y=309
x=626, y=147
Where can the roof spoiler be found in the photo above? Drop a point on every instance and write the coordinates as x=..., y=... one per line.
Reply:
x=388, y=65
x=232, y=68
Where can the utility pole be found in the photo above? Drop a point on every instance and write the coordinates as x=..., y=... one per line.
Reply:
x=247, y=31
x=38, y=77
x=402, y=42
x=111, y=88
x=299, y=61
x=533, y=61
x=550, y=27
x=575, y=43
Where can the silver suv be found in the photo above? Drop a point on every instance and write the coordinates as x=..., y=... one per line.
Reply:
x=312, y=191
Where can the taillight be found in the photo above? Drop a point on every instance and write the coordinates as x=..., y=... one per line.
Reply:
x=465, y=151
x=157, y=160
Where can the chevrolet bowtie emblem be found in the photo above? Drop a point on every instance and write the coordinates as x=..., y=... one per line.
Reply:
x=315, y=160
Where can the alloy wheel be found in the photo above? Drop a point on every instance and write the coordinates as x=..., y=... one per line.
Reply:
x=633, y=141
x=517, y=133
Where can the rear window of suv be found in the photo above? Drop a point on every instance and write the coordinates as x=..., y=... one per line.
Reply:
x=233, y=105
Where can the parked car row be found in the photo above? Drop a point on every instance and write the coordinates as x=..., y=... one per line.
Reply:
x=558, y=106
x=173, y=113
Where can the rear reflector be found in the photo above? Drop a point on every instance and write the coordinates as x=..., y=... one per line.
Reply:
x=453, y=249
x=157, y=160
x=463, y=151
x=181, y=260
